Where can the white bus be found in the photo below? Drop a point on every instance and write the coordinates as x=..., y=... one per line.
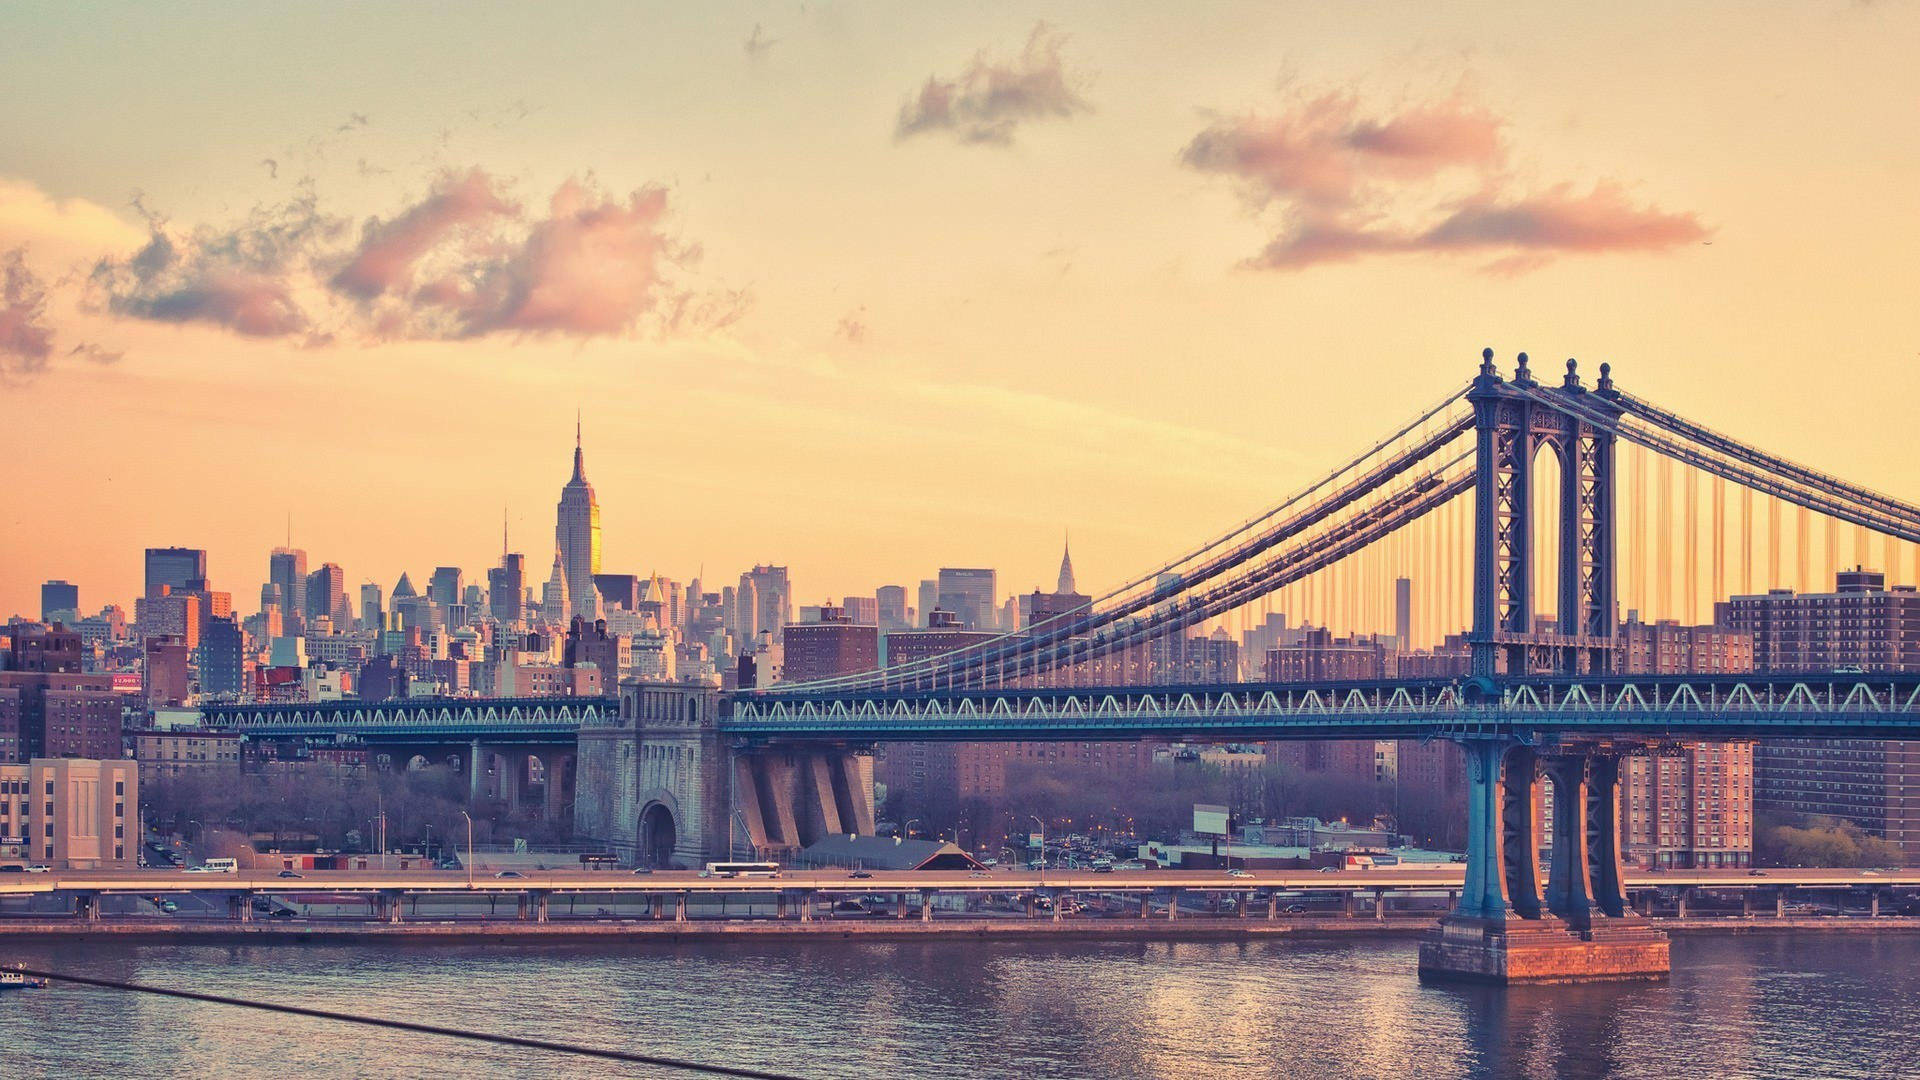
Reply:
x=743, y=869
x=219, y=866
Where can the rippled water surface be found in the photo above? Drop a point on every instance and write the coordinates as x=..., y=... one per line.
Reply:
x=1785, y=1006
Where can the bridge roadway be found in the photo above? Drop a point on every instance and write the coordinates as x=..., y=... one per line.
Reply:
x=1445, y=876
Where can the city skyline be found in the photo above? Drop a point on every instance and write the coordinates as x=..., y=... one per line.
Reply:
x=1004, y=348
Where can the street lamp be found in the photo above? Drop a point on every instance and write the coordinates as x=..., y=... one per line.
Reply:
x=1043, y=846
x=469, y=818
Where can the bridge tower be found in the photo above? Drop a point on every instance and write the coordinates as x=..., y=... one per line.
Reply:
x=1513, y=422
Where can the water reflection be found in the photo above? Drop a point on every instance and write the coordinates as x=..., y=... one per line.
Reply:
x=1760, y=1006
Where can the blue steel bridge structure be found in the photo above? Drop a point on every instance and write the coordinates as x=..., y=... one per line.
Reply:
x=1535, y=465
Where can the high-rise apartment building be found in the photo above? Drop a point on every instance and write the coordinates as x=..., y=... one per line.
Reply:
x=577, y=536
x=222, y=659
x=49, y=707
x=1862, y=625
x=839, y=644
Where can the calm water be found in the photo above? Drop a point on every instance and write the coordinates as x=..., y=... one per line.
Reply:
x=1809, y=1006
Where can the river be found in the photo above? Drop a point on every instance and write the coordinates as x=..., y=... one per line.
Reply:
x=1808, y=1005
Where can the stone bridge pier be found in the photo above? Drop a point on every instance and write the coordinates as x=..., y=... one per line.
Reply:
x=660, y=785
x=1508, y=928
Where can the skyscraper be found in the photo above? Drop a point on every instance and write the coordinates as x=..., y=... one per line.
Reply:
x=59, y=602
x=443, y=587
x=180, y=569
x=577, y=535
x=969, y=593
x=327, y=595
x=287, y=568
x=372, y=607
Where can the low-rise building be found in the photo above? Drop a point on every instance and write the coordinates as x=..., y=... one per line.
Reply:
x=70, y=813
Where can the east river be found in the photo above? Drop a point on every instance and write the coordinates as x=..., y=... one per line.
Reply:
x=1808, y=1005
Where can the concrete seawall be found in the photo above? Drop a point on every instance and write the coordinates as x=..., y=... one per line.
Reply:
x=508, y=932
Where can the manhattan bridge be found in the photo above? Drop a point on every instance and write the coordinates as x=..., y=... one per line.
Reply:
x=1524, y=506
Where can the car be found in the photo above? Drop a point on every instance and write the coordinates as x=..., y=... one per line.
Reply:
x=288, y=874
x=1237, y=872
x=859, y=874
x=1756, y=872
x=1329, y=869
x=39, y=868
x=979, y=873
x=1296, y=909
x=509, y=873
x=643, y=869
x=201, y=870
x=169, y=906
x=281, y=913
x=1103, y=868
x=13, y=868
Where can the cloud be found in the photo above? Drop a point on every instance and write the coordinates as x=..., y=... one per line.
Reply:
x=26, y=341
x=1422, y=178
x=990, y=99
x=242, y=278
x=389, y=249
x=853, y=327
x=465, y=260
x=758, y=43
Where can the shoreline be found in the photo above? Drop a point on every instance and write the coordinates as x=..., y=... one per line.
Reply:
x=513, y=932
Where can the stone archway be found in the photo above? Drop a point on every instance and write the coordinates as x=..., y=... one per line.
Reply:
x=658, y=835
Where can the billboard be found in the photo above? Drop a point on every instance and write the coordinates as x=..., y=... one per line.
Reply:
x=1209, y=820
x=1033, y=839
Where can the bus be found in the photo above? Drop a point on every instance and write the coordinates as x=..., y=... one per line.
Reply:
x=743, y=869
x=219, y=866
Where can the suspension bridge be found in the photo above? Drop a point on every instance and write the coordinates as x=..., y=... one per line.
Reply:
x=1507, y=497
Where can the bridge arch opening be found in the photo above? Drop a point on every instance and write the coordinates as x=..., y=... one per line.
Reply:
x=658, y=836
x=1546, y=478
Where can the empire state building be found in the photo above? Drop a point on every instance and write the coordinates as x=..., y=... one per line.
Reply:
x=577, y=535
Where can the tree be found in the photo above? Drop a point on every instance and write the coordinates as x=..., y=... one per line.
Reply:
x=1820, y=841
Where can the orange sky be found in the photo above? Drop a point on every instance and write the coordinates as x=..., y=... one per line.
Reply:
x=872, y=290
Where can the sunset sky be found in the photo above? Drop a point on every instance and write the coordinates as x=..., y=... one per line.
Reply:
x=869, y=289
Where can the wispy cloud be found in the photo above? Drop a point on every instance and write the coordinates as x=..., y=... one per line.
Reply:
x=991, y=98
x=1421, y=178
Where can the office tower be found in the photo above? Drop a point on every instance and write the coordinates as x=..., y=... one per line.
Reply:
x=890, y=603
x=765, y=591
x=1403, y=613
x=577, y=536
x=553, y=599
x=969, y=594
x=443, y=587
x=864, y=610
x=1065, y=584
x=59, y=602
x=618, y=591
x=327, y=595
x=178, y=569
x=506, y=586
x=287, y=568
x=929, y=598
x=166, y=673
x=372, y=608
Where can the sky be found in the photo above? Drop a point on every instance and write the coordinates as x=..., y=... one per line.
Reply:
x=869, y=289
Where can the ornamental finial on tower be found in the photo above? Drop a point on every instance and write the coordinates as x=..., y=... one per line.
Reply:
x=1573, y=374
x=1486, y=363
x=1520, y=373
x=1606, y=378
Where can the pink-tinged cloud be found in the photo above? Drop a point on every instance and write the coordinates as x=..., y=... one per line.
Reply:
x=1323, y=153
x=1345, y=186
x=988, y=101
x=389, y=250
x=1523, y=233
x=593, y=266
x=26, y=341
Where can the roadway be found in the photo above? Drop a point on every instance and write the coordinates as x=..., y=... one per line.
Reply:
x=1444, y=876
